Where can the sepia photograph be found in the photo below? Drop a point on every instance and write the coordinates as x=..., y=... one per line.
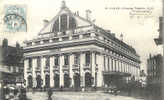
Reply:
x=81, y=49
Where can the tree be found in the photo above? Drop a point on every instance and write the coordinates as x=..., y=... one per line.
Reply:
x=4, y=43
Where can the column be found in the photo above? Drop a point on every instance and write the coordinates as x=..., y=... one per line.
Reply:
x=34, y=65
x=82, y=62
x=70, y=70
x=51, y=71
x=124, y=67
x=121, y=67
x=100, y=81
x=59, y=24
x=114, y=65
x=67, y=22
x=26, y=65
x=61, y=70
x=42, y=70
x=93, y=67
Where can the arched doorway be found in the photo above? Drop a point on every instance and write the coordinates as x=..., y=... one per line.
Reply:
x=39, y=81
x=76, y=78
x=88, y=79
x=56, y=81
x=66, y=81
x=30, y=82
x=47, y=81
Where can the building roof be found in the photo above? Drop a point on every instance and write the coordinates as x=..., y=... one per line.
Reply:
x=81, y=22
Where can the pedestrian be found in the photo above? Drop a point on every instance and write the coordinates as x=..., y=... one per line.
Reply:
x=50, y=92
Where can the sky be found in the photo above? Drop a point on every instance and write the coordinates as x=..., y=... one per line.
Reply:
x=137, y=20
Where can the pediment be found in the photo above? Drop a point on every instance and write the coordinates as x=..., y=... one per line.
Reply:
x=64, y=20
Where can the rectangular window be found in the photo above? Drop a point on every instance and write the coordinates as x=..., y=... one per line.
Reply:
x=87, y=58
x=104, y=64
x=47, y=61
x=30, y=62
x=108, y=64
x=66, y=60
x=63, y=20
x=38, y=62
x=77, y=59
x=115, y=65
x=112, y=65
x=56, y=61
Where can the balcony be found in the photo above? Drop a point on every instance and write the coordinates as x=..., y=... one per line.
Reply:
x=38, y=69
x=65, y=67
x=96, y=67
x=75, y=67
x=56, y=68
x=46, y=69
x=87, y=66
x=29, y=70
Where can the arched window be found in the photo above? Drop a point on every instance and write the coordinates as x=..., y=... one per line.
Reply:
x=47, y=81
x=56, y=80
x=30, y=82
x=76, y=80
x=88, y=79
x=56, y=26
x=72, y=23
x=39, y=81
x=66, y=81
x=63, y=22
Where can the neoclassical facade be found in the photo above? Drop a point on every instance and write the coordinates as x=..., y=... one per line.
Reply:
x=71, y=51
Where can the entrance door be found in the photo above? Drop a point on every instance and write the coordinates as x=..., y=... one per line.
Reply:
x=76, y=80
x=39, y=81
x=66, y=81
x=88, y=80
x=47, y=81
x=56, y=81
x=30, y=83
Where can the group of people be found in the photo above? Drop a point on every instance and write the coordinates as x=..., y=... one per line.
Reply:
x=14, y=93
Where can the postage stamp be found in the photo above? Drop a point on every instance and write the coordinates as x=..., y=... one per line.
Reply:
x=15, y=18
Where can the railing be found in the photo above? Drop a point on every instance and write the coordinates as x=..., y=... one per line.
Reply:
x=65, y=67
x=75, y=67
x=87, y=66
x=56, y=68
x=38, y=69
x=47, y=68
x=29, y=70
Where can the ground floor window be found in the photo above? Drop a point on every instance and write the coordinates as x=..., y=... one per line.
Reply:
x=88, y=80
x=56, y=80
x=47, y=81
x=39, y=81
x=66, y=81
x=76, y=80
x=30, y=83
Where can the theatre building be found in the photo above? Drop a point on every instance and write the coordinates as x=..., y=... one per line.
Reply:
x=71, y=51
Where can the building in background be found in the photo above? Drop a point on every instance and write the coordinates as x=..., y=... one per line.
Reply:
x=11, y=66
x=154, y=65
x=71, y=51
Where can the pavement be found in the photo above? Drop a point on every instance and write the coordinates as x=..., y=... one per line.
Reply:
x=78, y=96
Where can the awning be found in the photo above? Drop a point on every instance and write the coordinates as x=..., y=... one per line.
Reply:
x=112, y=73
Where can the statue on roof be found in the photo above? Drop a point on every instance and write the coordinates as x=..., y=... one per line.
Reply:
x=63, y=5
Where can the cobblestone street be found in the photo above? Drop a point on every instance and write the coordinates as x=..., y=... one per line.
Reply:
x=77, y=96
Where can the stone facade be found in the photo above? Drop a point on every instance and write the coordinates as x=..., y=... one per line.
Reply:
x=71, y=51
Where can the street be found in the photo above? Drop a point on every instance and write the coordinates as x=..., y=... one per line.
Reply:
x=78, y=96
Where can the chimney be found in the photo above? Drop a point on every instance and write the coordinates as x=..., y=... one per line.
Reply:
x=113, y=34
x=88, y=14
x=45, y=22
x=77, y=13
x=121, y=37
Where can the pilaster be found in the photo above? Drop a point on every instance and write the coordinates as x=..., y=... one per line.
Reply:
x=51, y=71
